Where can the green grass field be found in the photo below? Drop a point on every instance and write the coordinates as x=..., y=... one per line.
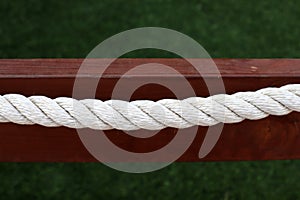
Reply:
x=55, y=29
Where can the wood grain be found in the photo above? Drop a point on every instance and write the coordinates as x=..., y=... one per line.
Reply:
x=267, y=139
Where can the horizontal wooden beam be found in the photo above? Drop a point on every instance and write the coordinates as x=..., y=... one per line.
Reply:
x=267, y=139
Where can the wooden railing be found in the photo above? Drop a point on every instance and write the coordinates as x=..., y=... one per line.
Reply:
x=267, y=139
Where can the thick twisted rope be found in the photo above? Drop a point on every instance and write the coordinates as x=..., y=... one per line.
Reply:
x=145, y=114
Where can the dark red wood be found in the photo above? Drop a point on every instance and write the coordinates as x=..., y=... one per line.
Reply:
x=267, y=139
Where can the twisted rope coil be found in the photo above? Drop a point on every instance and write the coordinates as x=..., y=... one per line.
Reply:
x=145, y=114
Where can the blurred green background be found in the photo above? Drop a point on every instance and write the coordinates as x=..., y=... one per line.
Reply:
x=31, y=29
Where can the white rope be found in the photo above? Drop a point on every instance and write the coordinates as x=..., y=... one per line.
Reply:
x=145, y=114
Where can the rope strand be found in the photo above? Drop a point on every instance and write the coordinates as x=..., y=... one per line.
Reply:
x=146, y=114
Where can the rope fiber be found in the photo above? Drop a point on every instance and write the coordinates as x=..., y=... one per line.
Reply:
x=150, y=115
